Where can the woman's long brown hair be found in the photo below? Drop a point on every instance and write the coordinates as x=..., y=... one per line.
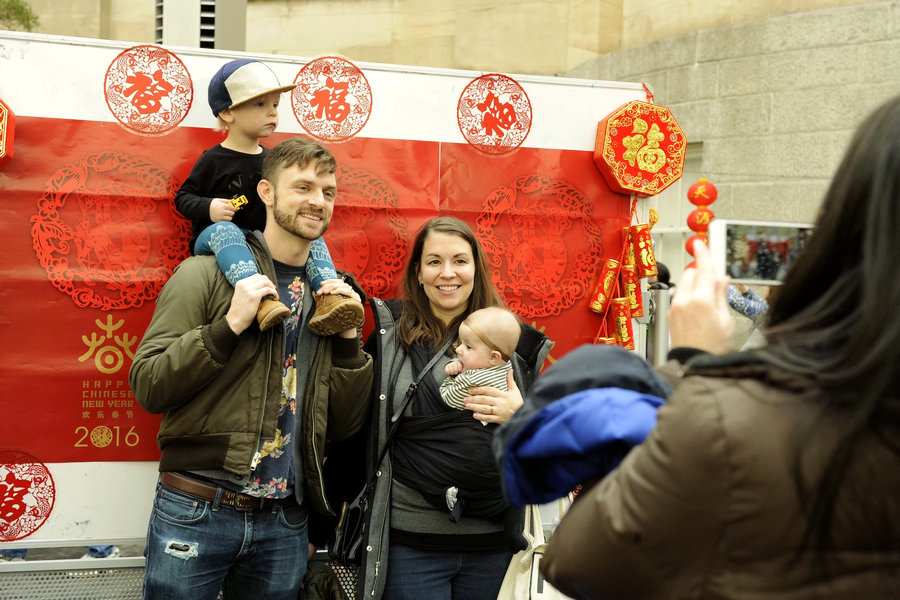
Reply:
x=418, y=324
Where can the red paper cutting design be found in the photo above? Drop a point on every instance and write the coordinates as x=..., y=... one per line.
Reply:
x=640, y=148
x=148, y=90
x=368, y=236
x=494, y=114
x=103, y=231
x=332, y=100
x=533, y=268
x=27, y=495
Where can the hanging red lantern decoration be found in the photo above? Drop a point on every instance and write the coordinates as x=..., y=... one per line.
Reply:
x=701, y=194
x=699, y=219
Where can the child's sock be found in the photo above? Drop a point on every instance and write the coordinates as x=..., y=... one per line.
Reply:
x=228, y=243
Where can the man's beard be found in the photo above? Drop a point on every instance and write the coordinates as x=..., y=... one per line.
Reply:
x=288, y=221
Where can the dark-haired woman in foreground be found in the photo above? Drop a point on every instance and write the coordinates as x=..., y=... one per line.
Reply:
x=773, y=473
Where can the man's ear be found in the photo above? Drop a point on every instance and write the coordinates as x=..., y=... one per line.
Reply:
x=265, y=191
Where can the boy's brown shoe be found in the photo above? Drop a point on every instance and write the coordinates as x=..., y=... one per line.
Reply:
x=271, y=312
x=334, y=313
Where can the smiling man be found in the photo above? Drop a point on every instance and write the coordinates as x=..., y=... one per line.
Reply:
x=244, y=410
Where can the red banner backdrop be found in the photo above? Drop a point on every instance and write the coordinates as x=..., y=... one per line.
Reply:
x=91, y=235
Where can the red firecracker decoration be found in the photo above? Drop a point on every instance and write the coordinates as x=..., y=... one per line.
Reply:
x=644, y=257
x=701, y=194
x=606, y=286
x=619, y=322
x=7, y=133
x=631, y=287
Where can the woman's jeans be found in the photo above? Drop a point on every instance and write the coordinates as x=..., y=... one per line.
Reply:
x=429, y=575
x=197, y=547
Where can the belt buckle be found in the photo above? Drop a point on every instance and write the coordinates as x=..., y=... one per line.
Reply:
x=243, y=502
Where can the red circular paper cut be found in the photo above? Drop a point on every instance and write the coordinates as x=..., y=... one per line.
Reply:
x=148, y=90
x=494, y=114
x=106, y=231
x=367, y=211
x=524, y=229
x=27, y=495
x=332, y=100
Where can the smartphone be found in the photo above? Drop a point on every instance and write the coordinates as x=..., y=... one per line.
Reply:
x=756, y=252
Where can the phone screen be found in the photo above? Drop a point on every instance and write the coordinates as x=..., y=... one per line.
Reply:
x=756, y=252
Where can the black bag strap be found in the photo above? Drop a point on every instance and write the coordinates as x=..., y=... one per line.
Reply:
x=410, y=394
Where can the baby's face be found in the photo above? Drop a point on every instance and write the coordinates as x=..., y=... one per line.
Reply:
x=472, y=352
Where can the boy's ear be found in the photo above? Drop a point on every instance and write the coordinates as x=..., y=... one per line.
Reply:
x=227, y=116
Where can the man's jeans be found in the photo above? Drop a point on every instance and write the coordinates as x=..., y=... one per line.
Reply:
x=195, y=548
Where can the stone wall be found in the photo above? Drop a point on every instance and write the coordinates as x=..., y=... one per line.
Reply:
x=768, y=106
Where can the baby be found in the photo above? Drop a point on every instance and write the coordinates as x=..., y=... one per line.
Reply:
x=487, y=339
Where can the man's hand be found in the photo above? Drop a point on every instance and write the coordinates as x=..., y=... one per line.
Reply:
x=339, y=286
x=248, y=293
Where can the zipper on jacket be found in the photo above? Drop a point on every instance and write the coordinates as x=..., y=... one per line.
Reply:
x=257, y=456
x=311, y=382
x=381, y=541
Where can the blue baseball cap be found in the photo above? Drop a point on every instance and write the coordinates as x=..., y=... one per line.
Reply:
x=241, y=80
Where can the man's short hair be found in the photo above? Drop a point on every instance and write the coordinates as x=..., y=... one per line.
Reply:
x=298, y=151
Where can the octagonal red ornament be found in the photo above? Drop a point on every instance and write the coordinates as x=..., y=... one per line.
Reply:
x=640, y=148
x=7, y=132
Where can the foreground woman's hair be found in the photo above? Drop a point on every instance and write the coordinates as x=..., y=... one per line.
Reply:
x=836, y=321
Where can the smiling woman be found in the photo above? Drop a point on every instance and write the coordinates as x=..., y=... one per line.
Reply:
x=446, y=272
x=451, y=532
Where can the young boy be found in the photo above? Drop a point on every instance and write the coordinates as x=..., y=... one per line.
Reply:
x=220, y=198
x=487, y=339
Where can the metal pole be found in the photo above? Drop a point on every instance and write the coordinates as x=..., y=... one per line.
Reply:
x=658, y=329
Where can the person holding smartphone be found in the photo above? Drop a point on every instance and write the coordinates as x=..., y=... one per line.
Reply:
x=775, y=472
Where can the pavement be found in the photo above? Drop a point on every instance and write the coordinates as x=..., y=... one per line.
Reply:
x=78, y=552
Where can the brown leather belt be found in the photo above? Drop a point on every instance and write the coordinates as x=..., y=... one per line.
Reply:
x=207, y=491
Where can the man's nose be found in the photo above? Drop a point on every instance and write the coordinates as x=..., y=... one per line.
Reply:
x=317, y=197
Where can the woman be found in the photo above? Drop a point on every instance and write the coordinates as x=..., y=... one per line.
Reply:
x=773, y=473
x=436, y=529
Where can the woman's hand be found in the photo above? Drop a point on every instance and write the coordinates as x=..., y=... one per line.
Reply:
x=699, y=316
x=493, y=406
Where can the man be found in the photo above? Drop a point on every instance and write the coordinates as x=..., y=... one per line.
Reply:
x=245, y=412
